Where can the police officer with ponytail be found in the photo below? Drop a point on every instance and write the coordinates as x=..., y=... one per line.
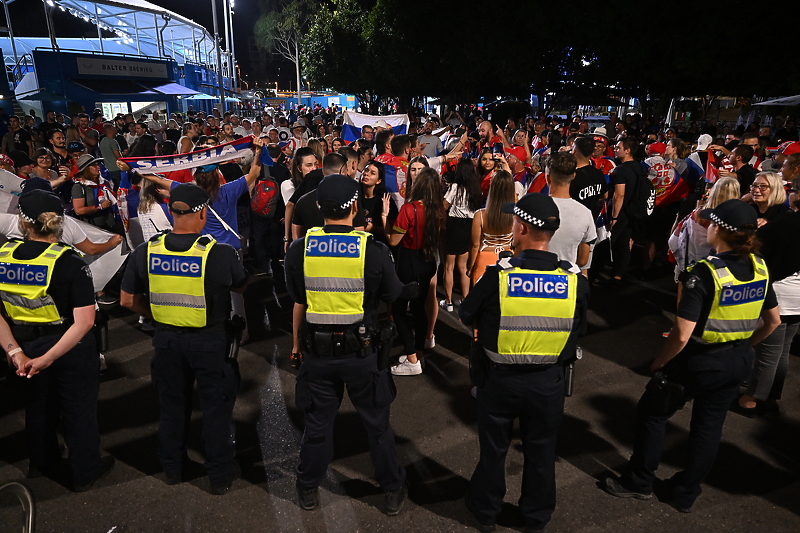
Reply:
x=340, y=275
x=727, y=307
x=183, y=281
x=48, y=301
x=529, y=311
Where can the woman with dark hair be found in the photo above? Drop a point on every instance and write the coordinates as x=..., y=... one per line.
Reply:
x=43, y=160
x=419, y=232
x=463, y=198
x=337, y=143
x=487, y=167
x=491, y=228
x=728, y=306
x=415, y=166
x=373, y=191
x=145, y=146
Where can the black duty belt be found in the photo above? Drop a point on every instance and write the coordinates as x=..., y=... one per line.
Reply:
x=30, y=332
x=337, y=340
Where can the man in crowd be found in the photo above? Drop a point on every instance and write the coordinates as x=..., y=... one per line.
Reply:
x=17, y=138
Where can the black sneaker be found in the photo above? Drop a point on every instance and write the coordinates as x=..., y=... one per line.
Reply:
x=616, y=488
x=395, y=499
x=308, y=498
x=220, y=489
x=106, y=464
x=484, y=528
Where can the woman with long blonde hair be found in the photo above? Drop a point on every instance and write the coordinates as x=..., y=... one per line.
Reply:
x=491, y=228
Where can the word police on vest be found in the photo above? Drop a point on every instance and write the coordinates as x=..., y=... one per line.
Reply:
x=743, y=294
x=553, y=286
x=333, y=246
x=168, y=265
x=23, y=274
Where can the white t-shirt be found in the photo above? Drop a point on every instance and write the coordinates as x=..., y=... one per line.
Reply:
x=287, y=190
x=577, y=226
x=154, y=221
x=72, y=233
x=239, y=130
x=788, y=292
x=459, y=207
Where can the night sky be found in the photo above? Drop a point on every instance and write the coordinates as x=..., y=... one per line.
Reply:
x=27, y=18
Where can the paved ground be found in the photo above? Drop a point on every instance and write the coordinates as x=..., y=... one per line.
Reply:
x=753, y=487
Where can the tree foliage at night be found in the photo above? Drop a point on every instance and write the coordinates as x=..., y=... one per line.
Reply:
x=567, y=50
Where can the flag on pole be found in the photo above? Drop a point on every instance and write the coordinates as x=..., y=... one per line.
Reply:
x=353, y=122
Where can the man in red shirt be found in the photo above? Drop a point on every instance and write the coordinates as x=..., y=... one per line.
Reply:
x=487, y=136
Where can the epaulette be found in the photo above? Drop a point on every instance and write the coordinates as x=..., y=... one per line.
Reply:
x=158, y=235
x=569, y=267
x=507, y=263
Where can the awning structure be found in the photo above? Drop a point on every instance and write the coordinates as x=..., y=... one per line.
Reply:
x=202, y=96
x=146, y=28
x=172, y=89
x=105, y=86
x=786, y=100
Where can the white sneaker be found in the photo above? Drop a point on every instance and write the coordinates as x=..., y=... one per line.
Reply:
x=404, y=368
x=447, y=306
x=430, y=343
x=103, y=365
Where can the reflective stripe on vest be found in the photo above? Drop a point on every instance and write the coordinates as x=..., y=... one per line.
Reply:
x=177, y=283
x=333, y=271
x=737, y=304
x=537, y=310
x=24, y=284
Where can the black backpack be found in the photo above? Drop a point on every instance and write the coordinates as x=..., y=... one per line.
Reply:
x=642, y=201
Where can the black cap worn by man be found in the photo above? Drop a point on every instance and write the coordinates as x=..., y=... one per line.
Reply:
x=75, y=146
x=340, y=189
x=733, y=215
x=187, y=198
x=536, y=209
x=33, y=203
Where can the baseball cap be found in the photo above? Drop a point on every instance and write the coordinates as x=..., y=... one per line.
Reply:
x=338, y=188
x=381, y=123
x=35, y=183
x=187, y=198
x=518, y=152
x=76, y=146
x=704, y=141
x=33, y=203
x=537, y=209
x=656, y=148
x=86, y=160
x=733, y=215
x=786, y=148
x=600, y=131
x=5, y=160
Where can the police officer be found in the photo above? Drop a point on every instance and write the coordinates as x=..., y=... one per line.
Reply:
x=183, y=280
x=529, y=311
x=340, y=275
x=706, y=356
x=48, y=298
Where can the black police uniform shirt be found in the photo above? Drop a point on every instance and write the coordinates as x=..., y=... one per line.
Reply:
x=698, y=289
x=307, y=213
x=380, y=281
x=482, y=307
x=223, y=273
x=71, y=283
x=588, y=186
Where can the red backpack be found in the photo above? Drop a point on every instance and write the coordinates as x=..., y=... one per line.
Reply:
x=264, y=198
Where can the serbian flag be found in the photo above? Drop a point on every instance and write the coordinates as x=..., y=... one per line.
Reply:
x=207, y=156
x=712, y=167
x=353, y=122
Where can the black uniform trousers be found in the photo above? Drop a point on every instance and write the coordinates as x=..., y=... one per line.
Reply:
x=711, y=376
x=319, y=392
x=534, y=394
x=66, y=391
x=181, y=357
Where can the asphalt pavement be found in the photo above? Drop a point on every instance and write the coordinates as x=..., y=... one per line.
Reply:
x=753, y=487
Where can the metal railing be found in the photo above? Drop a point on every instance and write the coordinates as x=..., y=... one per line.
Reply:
x=27, y=501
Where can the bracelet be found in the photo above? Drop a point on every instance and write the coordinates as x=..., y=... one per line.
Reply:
x=285, y=239
x=14, y=351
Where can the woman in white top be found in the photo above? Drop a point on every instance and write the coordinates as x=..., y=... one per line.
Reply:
x=491, y=228
x=154, y=215
x=462, y=199
x=187, y=140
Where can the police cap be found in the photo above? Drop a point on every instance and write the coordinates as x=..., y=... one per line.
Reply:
x=187, y=198
x=33, y=203
x=536, y=209
x=733, y=215
x=339, y=189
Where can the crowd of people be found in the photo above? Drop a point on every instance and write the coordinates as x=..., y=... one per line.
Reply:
x=438, y=197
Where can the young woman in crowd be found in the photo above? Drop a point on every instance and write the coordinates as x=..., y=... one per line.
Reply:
x=337, y=143
x=491, y=228
x=373, y=190
x=419, y=232
x=463, y=198
x=487, y=167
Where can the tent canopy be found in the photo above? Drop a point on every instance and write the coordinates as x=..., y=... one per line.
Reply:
x=787, y=101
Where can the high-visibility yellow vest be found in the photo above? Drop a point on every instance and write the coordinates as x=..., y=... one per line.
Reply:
x=537, y=310
x=177, y=282
x=24, y=284
x=333, y=269
x=737, y=304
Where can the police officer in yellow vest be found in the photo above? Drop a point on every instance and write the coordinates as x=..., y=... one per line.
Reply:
x=48, y=300
x=183, y=280
x=340, y=275
x=707, y=355
x=529, y=311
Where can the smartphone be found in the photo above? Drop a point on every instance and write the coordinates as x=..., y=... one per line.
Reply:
x=497, y=151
